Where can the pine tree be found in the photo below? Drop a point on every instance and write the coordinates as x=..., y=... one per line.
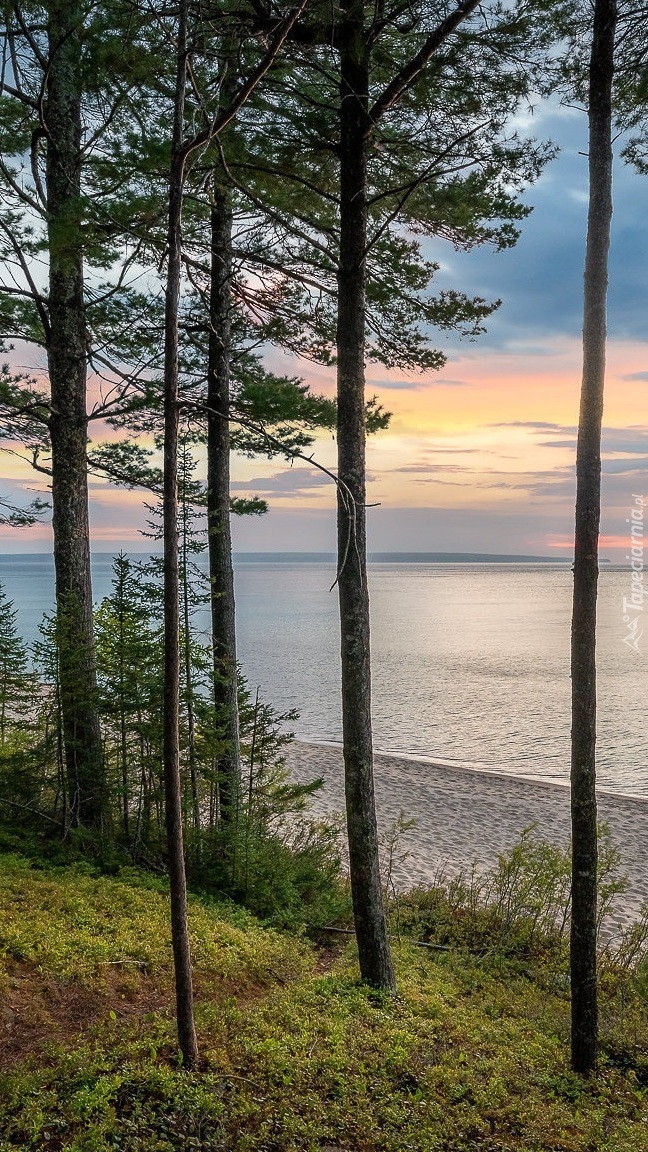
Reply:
x=398, y=114
x=53, y=120
x=130, y=681
x=17, y=685
x=193, y=594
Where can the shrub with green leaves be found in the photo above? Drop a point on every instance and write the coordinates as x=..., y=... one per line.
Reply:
x=521, y=908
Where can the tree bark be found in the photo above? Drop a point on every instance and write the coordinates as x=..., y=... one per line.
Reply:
x=67, y=356
x=584, y=1012
x=172, y=783
x=221, y=572
x=123, y=731
x=369, y=917
x=188, y=664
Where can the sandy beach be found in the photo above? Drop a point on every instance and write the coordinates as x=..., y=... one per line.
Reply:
x=465, y=816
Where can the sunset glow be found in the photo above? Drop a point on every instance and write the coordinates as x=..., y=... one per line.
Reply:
x=484, y=450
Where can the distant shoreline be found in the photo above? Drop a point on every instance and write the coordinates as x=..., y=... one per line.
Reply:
x=403, y=558
x=330, y=557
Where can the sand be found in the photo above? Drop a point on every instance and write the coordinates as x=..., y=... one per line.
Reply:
x=464, y=816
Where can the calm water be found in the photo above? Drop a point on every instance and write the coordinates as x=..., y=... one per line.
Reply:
x=471, y=664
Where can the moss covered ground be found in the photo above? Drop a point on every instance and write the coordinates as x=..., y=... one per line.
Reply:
x=296, y=1053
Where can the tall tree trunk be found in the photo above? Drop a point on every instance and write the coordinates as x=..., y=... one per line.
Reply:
x=371, y=931
x=588, y=507
x=172, y=784
x=123, y=729
x=221, y=573
x=66, y=355
x=188, y=667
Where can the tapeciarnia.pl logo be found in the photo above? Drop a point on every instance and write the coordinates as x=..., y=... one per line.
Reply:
x=633, y=605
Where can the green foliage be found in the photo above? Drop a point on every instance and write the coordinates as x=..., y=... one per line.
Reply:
x=275, y=859
x=15, y=516
x=78, y=925
x=17, y=685
x=295, y=1058
x=128, y=640
x=127, y=463
x=23, y=726
x=24, y=408
x=248, y=506
x=519, y=910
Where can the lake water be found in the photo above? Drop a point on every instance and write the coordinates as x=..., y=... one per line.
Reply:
x=471, y=663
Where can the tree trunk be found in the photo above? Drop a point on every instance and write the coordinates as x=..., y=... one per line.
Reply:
x=66, y=355
x=371, y=932
x=188, y=667
x=588, y=506
x=221, y=573
x=123, y=731
x=172, y=784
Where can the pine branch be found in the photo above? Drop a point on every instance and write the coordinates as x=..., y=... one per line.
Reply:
x=410, y=73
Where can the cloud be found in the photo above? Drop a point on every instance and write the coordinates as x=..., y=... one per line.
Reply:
x=632, y=439
x=536, y=426
x=614, y=440
x=430, y=466
x=462, y=484
x=554, y=482
x=416, y=385
x=397, y=385
x=540, y=280
x=560, y=484
x=625, y=467
x=446, y=449
x=617, y=484
x=285, y=483
x=635, y=376
x=530, y=350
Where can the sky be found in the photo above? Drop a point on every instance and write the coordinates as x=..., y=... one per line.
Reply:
x=479, y=456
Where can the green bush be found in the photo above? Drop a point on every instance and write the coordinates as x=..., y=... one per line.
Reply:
x=518, y=910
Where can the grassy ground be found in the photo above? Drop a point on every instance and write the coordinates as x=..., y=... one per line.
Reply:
x=296, y=1054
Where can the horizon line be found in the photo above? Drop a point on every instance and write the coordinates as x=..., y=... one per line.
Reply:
x=374, y=556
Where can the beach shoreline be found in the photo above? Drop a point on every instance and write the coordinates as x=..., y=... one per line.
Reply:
x=468, y=816
x=480, y=769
